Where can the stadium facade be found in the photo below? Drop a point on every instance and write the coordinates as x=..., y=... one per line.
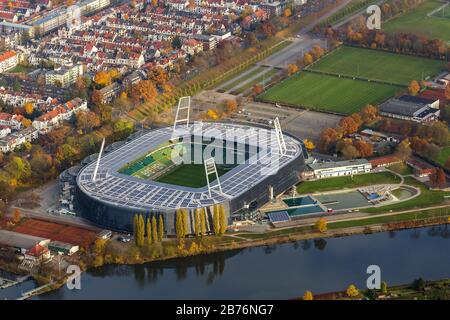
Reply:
x=113, y=198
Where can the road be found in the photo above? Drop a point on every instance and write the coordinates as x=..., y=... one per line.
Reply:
x=302, y=43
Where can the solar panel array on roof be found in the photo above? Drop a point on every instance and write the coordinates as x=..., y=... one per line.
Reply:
x=116, y=188
x=279, y=216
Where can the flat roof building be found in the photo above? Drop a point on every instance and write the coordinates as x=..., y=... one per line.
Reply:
x=21, y=241
x=340, y=168
x=411, y=108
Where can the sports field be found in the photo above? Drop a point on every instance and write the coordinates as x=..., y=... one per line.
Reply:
x=378, y=65
x=436, y=26
x=190, y=175
x=331, y=93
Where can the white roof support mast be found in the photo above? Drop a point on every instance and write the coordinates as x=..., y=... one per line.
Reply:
x=280, y=138
x=184, y=103
x=210, y=168
x=98, y=161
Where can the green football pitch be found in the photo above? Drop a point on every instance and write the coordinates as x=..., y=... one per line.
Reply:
x=331, y=93
x=378, y=65
x=190, y=175
x=420, y=22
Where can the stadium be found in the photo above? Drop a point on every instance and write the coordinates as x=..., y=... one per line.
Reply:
x=162, y=170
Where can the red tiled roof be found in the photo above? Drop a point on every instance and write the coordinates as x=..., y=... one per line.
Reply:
x=7, y=55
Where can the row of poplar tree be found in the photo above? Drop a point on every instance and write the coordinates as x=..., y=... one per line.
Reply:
x=220, y=223
x=152, y=228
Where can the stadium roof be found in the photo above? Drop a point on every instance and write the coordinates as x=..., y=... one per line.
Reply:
x=131, y=192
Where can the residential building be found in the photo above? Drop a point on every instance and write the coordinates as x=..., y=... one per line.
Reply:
x=8, y=60
x=64, y=76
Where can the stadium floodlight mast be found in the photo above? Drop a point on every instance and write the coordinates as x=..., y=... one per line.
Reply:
x=210, y=168
x=98, y=161
x=182, y=105
x=280, y=138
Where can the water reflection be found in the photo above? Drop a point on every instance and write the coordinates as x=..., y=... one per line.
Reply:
x=275, y=271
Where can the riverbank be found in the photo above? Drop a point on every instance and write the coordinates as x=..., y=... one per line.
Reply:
x=173, y=249
x=419, y=289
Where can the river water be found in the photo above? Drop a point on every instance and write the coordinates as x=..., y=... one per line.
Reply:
x=275, y=272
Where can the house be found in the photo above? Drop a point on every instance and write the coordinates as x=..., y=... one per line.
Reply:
x=4, y=131
x=8, y=60
x=411, y=108
x=37, y=253
x=55, y=117
x=108, y=93
x=13, y=121
x=335, y=169
x=420, y=169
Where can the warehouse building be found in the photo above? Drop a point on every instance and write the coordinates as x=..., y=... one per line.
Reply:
x=411, y=108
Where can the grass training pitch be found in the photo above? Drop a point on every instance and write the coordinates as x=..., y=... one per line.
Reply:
x=330, y=93
x=418, y=21
x=378, y=65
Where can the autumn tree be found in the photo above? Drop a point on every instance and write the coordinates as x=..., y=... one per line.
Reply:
x=158, y=75
x=292, y=68
x=352, y=291
x=257, y=89
x=364, y=148
x=181, y=223
x=413, y=88
x=308, y=295
x=144, y=91
x=222, y=220
x=369, y=113
x=309, y=145
x=307, y=59
x=287, y=12
x=29, y=108
x=86, y=121
x=327, y=139
x=203, y=221
x=135, y=228
x=17, y=215
x=140, y=231
x=154, y=230
x=160, y=228
x=348, y=125
x=148, y=228
x=231, y=105
x=403, y=150
x=321, y=225
x=102, y=78
x=197, y=221
x=216, y=220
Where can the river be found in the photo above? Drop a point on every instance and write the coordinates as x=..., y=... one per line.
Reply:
x=275, y=272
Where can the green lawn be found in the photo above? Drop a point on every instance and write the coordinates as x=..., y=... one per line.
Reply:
x=401, y=169
x=190, y=175
x=417, y=21
x=21, y=69
x=425, y=199
x=394, y=218
x=347, y=182
x=443, y=156
x=316, y=91
x=378, y=65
